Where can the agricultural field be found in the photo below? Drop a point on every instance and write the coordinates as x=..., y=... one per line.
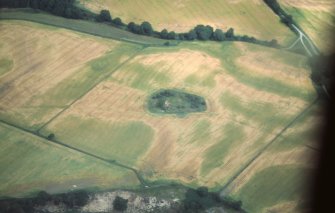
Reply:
x=64, y=94
x=247, y=17
x=248, y=104
x=316, y=18
x=277, y=181
x=46, y=69
x=30, y=164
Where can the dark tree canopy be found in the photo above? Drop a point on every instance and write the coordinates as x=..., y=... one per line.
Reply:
x=197, y=200
x=64, y=8
x=191, y=35
x=120, y=204
x=171, y=35
x=230, y=33
x=219, y=35
x=117, y=21
x=51, y=136
x=322, y=70
x=146, y=28
x=164, y=34
x=204, y=32
x=104, y=16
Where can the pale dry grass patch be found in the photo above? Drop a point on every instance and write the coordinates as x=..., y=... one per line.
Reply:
x=319, y=5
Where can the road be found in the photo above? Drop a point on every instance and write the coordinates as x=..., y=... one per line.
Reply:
x=309, y=47
x=312, y=50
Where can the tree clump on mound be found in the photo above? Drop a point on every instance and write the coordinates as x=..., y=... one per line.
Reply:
x=177, y=102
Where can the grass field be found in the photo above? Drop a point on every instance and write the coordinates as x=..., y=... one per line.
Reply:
x=29, y=164
x=246, y=17
x=277, y=181
x=316, y=18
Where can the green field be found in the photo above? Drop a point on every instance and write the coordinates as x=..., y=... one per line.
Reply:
x=267, y=188
x=29, y=164
x=246, y=17
x=5, y=65
x=123, y=142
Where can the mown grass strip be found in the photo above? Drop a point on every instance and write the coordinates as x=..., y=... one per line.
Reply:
x=92, y=28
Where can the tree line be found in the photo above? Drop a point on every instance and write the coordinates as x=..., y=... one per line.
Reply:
x=68, y=9
x=200, y=32
x=200, y=199
x=64, y=8
x=72, y=200
x=322, y=67
x=284, y=17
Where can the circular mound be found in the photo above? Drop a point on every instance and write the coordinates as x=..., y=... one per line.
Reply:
x=172, y=101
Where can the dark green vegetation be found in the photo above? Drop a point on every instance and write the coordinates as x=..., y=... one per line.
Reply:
x=68, y=9
x=322, y=72
x=104, y=16
x=192, y=200
x=284, y=17
x=5, y=65
x=120, y=204
x=177, y=102
x=73, y=200
x=65, y=8
x=198, y=200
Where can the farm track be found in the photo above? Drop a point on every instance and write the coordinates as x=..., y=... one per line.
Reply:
x=222, y=193
x=91, y=88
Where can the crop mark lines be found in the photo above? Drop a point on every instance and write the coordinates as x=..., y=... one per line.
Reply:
x=91, y=88
x=223, y=190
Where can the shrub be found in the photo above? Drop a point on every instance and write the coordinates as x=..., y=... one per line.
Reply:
x=120, y=204
x=104, y=16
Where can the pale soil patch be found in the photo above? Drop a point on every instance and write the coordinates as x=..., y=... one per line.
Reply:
x=264, y=64
x=248, y=94
x=319, y=5
x=182, y=63
x=103, y=202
